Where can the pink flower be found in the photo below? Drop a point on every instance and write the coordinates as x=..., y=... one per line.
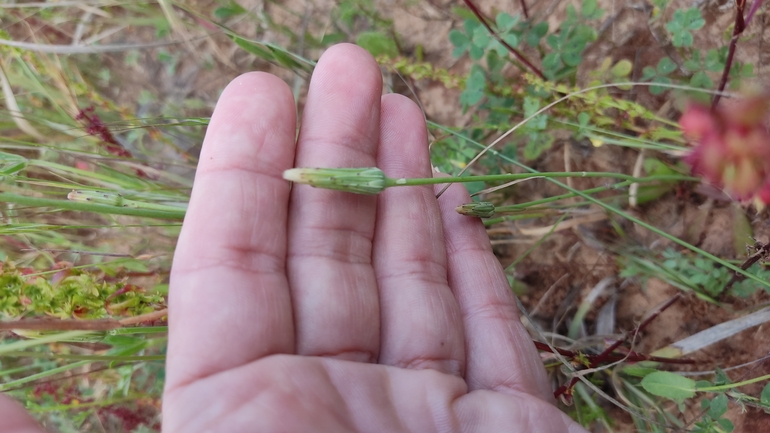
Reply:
x=732, y=146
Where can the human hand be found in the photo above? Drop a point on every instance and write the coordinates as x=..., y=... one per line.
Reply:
x=296, y=310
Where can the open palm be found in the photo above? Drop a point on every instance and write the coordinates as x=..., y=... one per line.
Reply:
x=298, y=309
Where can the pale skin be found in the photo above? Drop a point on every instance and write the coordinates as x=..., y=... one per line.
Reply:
x=300, y=309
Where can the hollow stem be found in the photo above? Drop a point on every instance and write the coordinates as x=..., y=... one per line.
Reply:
x=390, y=182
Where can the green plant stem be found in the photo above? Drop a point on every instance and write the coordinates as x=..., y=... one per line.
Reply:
x=98, y=403
x=586, y=191
x=491, y=221
x=63, y=336
x=733, y=385
x=390, y=182
x=623, y=139
x=6, y=197
x=47, y=373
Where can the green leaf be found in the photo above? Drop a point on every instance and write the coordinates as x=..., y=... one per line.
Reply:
x=537, y=144
x=726, y=425
x=476, y=52
x=693, y=19
x=714, y=61
x=463, y=13
x=682, y=23
x=669, y=385
x=572, y=54
x=470, y=26
x=459, y=39
x=511, y=39
x=746, y=71
x=497, y=48
x=494, y=61
x=700, y=79
x=284, y=59
x=554, y=42
x=656, y=167
x=10, y=164
x=571, y=14
x=530, y=105
x=637, y=371
x=742, y=231
x=551, y=62
x=590, y=10
x=474, y=87
x=622, y=68
x=231, y=10
x=458, y=52
x=536, y=33
x=682, y=39
x=764, y=396
x=694, y=62
x=666, y=66
x=253, y=48
x=377, y=44
x=744, y=289
x=721, y=377
x=333, y=38
x=718, y=406
x=648, y=72
x=657, y=90
x=505, y=22
x=583, y=118
x=481, y=37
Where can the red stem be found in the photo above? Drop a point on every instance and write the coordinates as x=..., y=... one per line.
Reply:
x=512, y=50
x=738, y=28
x=524, y=8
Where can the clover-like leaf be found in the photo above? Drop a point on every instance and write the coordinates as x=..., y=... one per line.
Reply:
x=666, y=66
x=459, y=39
x=718, y=406
x=378, y=44
x=505, y=22
x=657, y=90
x=682, y=24
x=474, y=87
x=537, y=144
x=700, y=79
x=590, y=10
x=715, y=61
x=481, y=37
x=536, y=33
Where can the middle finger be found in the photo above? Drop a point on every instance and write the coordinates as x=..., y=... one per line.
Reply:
x=333, y=286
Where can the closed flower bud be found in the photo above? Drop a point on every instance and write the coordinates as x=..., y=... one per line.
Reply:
x=369, y=180
x=482, y=209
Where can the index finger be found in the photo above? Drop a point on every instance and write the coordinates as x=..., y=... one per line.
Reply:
x=229, y=300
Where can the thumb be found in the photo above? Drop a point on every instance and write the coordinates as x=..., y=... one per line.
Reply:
x=14, y=419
